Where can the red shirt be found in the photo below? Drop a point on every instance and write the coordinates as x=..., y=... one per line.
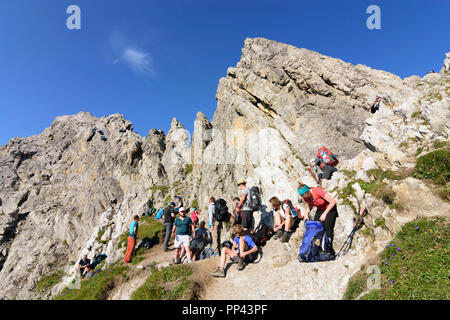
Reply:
x=318, y=200
x=194, y=216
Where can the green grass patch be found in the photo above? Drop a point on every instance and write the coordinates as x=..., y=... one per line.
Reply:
x=49, y=282
x=414, y=266
x=380, y=222
x=148, y=228
x=194, y=204
x=434, y=95
x=163, y=189
x=189, y=168
x=439, y=144
x=434, y=166
x=99, y=237
x=415, y=114
x=356, y=286
x=419, y=151
x=444, y=192
x=380, y=175
x=346, y=193
x=169, y=283
x=95, y=288
x=349, y=173
x=396, y=205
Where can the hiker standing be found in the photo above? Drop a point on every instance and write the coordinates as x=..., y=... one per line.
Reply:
x=169, y=217
x=182, y=238
x=178, y=204
x=284, y=218
x=194, y=216
x=327, y=161
x=236, y=213
x=326, y=210
x=243, y=251
x=215, y=226
x=244, y=206
x=376, y=104
x=132, y=239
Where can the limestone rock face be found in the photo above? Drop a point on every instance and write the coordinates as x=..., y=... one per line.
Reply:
x=446, y=66
x=75, y=187
x=55, y=188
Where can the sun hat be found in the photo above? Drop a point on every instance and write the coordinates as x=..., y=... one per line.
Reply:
x=242, y=182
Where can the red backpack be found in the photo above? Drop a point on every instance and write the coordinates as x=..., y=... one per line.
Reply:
x=295, y=212
x=327, y=157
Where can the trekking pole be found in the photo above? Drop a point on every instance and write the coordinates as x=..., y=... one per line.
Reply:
x=314, y=176
x=348, y=242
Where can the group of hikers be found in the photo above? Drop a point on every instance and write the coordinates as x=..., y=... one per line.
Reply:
x=190, y=235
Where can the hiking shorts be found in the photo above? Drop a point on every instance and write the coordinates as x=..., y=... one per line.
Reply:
x=248, y=258
x=182, y=240
x=247, y=219
x=328, y=171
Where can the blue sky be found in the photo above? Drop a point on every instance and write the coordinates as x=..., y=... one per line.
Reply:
x=155, y=60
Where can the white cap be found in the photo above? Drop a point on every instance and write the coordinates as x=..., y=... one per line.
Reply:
x=182, y=209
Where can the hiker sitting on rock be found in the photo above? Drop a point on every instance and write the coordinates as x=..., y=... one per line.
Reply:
x=243, y=251
x=326, y=210
x=84, y=265
x=200, y=240
x=178, y=204
x=283, y=219
x=182, y=238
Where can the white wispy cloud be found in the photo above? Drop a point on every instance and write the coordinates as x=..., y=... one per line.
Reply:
x=138, y=60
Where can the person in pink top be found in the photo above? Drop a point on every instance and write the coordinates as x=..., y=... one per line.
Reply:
x=194, y=216
x=326, y=209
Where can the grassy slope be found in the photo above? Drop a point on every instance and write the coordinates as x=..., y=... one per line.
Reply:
x=413, y=266
x=95, y=288
x=166, y=284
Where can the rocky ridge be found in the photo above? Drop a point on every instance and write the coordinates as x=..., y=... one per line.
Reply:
x=74, y=188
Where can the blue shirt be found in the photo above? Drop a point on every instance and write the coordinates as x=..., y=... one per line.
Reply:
x=134, y=224
x=183, y=225
x=248, y=240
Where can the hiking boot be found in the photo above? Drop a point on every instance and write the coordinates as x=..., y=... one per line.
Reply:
x=241, y=264
x=176, y=261
x=285, y=237
x=219, y=273
x=278, y=234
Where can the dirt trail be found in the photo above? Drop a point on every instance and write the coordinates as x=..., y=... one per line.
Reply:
x=277, y=276
x=122, y=290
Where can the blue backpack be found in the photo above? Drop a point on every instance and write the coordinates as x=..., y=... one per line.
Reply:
x=311, y=247
x=159, y=214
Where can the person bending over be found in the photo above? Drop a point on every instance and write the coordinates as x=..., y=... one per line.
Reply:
x=326, y=210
